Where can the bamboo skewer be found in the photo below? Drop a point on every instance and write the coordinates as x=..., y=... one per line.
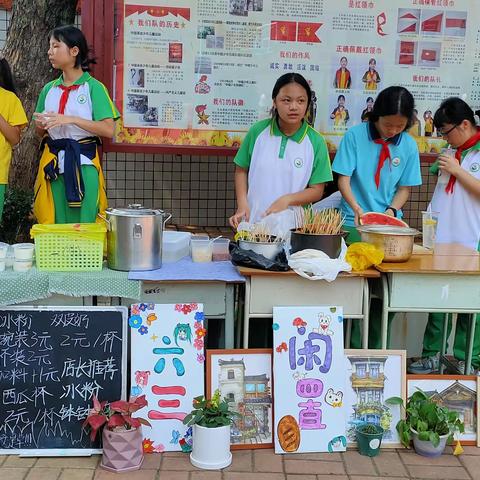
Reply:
x=323, y=222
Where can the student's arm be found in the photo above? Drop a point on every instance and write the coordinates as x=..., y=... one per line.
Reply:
x=449, y=164
x=241, y=189
x=311, y=194
x=100, y=128
x=399, y=199
x=349, y=197
x=10, y=132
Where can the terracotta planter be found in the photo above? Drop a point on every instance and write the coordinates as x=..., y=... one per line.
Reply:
x=122, y=450
x=211, y=447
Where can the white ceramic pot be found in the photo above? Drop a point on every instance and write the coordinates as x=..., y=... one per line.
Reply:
x=268, y=249
x=426, y=448
x=211, y=447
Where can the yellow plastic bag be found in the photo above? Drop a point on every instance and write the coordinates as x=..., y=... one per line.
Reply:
x=361, y=255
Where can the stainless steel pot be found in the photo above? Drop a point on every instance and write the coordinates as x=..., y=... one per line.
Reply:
x=134, y=237
x=395, y=242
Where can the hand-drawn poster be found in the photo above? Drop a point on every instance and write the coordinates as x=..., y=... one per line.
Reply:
x=372, y=377
x=167, y=365
x=201, y=73
x=309, y=379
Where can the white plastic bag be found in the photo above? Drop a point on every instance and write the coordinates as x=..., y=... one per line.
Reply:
x=317, y=265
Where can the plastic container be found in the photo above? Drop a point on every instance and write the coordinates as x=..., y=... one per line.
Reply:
x=23, y=251
x=9, y=257
x=2, y=265
x=69, y=247
x=3, y=251
x=429, y=229
x=220, y=251
x=175, y=245
x=369, y=443
x=201, y=249
x=22, y=265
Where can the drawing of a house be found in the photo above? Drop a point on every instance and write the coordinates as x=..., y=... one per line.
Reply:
x=461, y=399
x=251, y=397
x=368, y=383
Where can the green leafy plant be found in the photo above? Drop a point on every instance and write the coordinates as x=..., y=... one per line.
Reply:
x=17, y=217
x=210, y=413
x=369, y=429
x=427, y=418
x=114, y=415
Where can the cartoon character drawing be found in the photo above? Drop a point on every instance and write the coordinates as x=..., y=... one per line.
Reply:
x=175, y=437
x=182, y=332
x=323, y=324
x=334, y=399
x=202, y=116
x=141, y=377
x=336, y=443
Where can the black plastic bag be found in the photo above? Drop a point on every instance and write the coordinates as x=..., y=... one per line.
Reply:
x=248, y=258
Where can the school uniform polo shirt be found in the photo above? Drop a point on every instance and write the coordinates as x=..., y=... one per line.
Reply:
x=459, y=212
x=12, y=111
x=90, y=101
x=357, y=158
x=278, y=164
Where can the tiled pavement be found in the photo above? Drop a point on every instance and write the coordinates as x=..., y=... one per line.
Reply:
x=257, y=465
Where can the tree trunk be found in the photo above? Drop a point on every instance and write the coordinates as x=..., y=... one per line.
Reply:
x=26, y=51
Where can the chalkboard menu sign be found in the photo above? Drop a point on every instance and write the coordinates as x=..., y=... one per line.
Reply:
x=52, y=360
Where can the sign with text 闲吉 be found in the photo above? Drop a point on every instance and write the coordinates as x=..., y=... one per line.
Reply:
x=52, y=361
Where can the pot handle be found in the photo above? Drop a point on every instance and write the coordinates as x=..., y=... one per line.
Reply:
x=169, y=216
x=105, y=220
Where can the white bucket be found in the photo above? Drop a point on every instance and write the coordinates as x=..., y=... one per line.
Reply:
x=211, y=447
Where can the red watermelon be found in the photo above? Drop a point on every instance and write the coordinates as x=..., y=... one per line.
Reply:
x=375, y=218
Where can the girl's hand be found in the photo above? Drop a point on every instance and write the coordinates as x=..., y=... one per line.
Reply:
x=53, y=120
x=448, y=163
x=358, y=212
x=40, y=120
x=238, y=216
x=279, y=205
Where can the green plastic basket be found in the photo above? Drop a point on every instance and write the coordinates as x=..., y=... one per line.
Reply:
x=69, y=247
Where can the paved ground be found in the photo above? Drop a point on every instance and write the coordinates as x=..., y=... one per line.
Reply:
x=257, y=465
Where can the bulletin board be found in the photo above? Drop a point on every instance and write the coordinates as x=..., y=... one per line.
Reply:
x=197, y=74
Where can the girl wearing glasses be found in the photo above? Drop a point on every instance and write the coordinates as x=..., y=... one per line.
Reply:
x=457, y=201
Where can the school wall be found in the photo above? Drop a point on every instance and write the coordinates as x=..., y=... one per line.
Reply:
x=197, y=190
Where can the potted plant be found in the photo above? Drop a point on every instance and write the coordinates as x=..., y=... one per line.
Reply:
x=211, y=420
x=318, y=230
x=369, y=438
x=122, y=437
x=427, y=423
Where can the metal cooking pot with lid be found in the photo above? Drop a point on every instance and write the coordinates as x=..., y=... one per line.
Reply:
x=134, y=237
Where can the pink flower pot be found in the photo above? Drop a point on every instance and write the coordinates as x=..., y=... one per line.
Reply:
x=122, y=450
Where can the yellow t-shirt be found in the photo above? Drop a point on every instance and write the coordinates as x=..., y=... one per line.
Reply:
x=12, y=111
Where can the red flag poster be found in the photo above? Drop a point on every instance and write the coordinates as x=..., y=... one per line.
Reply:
x=283, y=31
x=307, y=32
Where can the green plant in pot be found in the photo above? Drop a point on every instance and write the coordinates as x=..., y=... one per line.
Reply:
x=211, y=420
x=369, y=438
x=427, y=423
x=318, y=230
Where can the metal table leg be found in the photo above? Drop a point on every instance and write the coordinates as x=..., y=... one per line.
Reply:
x=246, y=313
x=229, y=315
x=366, y=313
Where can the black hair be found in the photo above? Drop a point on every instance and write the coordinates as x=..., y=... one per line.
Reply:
x=369, y=99
x=6, y=77
x=292, y=78
x=341, y=58
x=372, y=60
x=73, y=37
x=393, y=101
x=341, y=96
x=453, y=110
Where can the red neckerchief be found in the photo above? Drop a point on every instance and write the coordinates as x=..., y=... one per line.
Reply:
x=458, y=155
x=384, y=154
x=64, y=98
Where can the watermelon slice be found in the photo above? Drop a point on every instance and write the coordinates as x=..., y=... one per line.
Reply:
x=375, y=218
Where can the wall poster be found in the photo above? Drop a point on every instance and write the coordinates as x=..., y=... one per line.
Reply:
x=201, y=72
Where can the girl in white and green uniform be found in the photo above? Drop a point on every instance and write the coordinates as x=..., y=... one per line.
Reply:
x=73, y=111
x=457, y=200
x=282, y=161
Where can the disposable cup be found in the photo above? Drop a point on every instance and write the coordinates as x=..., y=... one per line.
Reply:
x=22, y=265
x=3, y=250
x=23, y=251
x=429, y=229
x=444, y=177
x=201, y=250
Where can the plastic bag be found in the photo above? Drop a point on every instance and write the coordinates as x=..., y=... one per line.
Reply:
x=248, y=258
x=361, y=255
x=317, y=265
